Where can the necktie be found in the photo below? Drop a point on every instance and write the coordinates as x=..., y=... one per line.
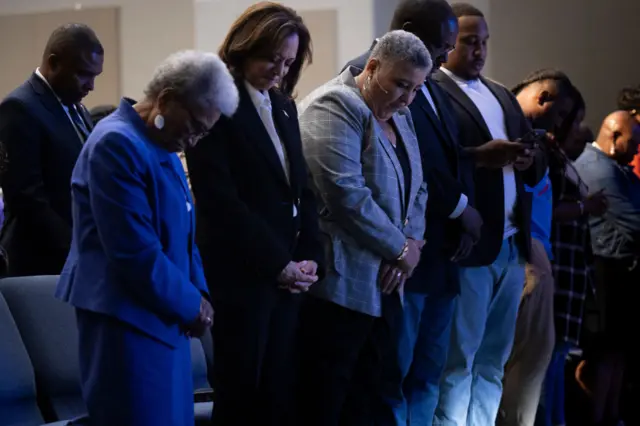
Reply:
x=79, y=124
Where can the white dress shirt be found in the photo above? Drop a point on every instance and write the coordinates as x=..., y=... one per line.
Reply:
x=262, y=102
x=64, y=107
x=464, y=200
x=493, y=115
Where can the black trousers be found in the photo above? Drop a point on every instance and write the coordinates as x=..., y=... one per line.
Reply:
x=617, y=293
x=254, y=359
x=340, y=370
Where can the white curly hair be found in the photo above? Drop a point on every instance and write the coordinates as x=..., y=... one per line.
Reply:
x=402, y=46
x=199, y=78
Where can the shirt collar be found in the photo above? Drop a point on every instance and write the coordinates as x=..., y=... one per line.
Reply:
x=459, y=80
x=258, y=97
x=41, y=77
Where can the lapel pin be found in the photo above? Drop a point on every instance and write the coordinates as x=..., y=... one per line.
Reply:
x=285, y=113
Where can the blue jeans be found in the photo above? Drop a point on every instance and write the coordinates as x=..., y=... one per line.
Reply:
x=421, y=334
x=552, y=400
x=481, y=339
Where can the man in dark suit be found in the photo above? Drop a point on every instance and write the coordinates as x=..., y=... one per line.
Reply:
x=492, y=276
x=42, y=129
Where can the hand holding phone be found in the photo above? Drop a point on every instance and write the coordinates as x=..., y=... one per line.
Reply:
x=533, y=137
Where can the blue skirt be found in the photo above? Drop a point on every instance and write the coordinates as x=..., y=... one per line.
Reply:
x=131, y=379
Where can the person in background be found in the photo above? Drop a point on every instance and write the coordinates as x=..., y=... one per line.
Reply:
x=546, y=101
x=42, y=127
x=134, y=273
x=571, y=260
x=574, y=134
x=364, y=160
x=492, y=276
x=574, y=146
x=422, y=333
x=257, y=220
x=100, y=112
x=629, y=100
x=616, y=246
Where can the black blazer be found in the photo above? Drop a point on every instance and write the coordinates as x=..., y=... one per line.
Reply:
x=443, y=171
x=246, y=230
x=487, y=191
x=42, y=147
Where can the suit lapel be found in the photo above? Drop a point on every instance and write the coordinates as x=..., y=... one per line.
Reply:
x=285, y=122
x=461, y=98
x=248, y=121
x=422, y=100
x=173, y=163
x=415, y=161
x=391, y=153
x=51, y=103
x=439, y=99
x=503, y=98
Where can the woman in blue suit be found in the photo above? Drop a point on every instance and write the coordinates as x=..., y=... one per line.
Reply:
x=134, y=274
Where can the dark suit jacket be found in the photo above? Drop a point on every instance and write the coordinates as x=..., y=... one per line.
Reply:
x=443, y=171
x=244, y=205
x=487, y=191
x=42, y=147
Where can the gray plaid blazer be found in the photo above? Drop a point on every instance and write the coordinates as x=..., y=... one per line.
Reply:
x=359, y=185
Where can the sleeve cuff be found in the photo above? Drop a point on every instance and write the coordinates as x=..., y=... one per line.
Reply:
x=462, y=204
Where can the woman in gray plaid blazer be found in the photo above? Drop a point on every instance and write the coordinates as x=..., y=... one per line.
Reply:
x=360, y=145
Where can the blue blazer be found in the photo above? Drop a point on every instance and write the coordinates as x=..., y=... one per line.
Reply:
x=133, y=255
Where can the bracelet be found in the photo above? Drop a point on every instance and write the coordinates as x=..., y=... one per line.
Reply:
x=404, y=252
x=581, y=205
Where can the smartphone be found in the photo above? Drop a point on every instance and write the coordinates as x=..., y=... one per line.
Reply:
x=534, y=137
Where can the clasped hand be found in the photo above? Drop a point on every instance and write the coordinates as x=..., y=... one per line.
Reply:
x=394, y=274
x=297, y=277
x=202, y=322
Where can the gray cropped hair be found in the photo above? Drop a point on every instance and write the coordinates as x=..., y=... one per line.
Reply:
x=402, y=46
x=197, y=78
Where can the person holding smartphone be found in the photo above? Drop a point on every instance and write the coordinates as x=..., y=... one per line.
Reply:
x=544, y=97
x=572, y=261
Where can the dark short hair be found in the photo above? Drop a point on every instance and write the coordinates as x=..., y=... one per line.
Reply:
x=465, y=9
x=101, y=111
x=629, y=98
x=259, y=30
x=544, y=74
x=72, y=38
x=424, y=16
x=578, y=105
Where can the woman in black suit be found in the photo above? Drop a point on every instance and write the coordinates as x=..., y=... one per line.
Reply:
x=257, y=221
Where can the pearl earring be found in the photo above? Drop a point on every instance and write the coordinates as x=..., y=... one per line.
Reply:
x=158, y=121
x=612, y=150
x=367, y=82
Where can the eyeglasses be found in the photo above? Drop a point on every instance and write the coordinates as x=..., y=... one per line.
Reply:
x=197, y=130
